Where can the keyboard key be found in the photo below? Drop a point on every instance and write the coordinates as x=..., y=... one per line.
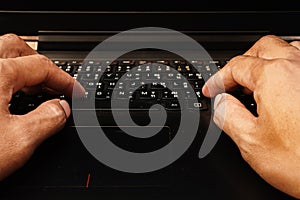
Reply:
x=173, y=105
x=164, y=85
x=199, y=105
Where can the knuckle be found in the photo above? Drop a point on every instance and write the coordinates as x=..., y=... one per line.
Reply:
x=267, y=39
x=232, y=62
x=295, y=43
x=236, y=58
x=262, y=71
x=277, y=64
x=54, y=116
x=259, y=46
x=12, y=45
x=11, y=38
x=56, y=111
x=46, y=62
x=42, y=58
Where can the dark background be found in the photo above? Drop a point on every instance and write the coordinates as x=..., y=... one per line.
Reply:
x=153, y=5
x=205, y=17
x=29, y=17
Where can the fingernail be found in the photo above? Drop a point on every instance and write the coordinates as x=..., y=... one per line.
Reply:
x=219, y=110
x=78, y=90
x=204, y=90
x=218, y=99
x=66, y=107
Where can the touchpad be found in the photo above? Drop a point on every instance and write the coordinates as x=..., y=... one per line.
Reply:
x=138, y=144
x=63, y=161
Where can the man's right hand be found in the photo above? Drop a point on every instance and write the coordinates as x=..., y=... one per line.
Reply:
x=270, y=143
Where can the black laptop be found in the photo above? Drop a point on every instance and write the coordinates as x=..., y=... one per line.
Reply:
x=67, y=166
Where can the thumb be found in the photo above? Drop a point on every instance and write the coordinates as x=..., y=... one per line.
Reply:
x=234, y=118
x=46, y=119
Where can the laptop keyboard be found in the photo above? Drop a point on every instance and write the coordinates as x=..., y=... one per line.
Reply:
x=160, y=82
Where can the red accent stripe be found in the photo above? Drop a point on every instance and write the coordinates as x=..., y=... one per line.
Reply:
x=88, y=180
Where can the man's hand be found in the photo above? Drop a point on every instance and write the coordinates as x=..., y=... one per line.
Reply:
x=270, y=143
x=23, y=68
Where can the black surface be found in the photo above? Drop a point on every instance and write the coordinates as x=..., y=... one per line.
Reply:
x=60, y=166
x=51, y=174
x=147, y=5
x=255, y=22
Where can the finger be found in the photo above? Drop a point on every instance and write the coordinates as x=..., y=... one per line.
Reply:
x=28, y=131
x=33, y=89
x=12, y=46
x=241, y=70
x=236, y=121
x=296, y=44
x=39, y=89
x=45, y=120
x=27, y=71
x=271, y=47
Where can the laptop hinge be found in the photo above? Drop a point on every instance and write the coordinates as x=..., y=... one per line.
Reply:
x=32, y=41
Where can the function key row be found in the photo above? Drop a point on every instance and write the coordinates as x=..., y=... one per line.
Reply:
x=139, y=62
x=75, y=67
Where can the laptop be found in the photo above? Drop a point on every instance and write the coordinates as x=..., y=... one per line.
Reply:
x=126, y=85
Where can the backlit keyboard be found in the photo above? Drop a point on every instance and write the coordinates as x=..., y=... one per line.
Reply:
x=142, y=83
